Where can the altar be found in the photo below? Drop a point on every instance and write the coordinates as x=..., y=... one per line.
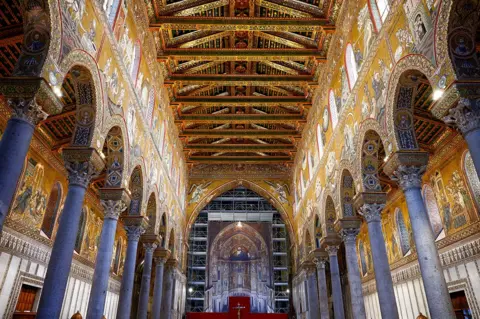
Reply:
x=238, y=308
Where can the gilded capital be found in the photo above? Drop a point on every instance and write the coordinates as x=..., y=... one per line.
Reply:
x=372, y=212
x=409, y=177
x=113, y=208
x=27, y=110
x=465, y=116
x=331, y=250
x=82, y=164
x=349, y=235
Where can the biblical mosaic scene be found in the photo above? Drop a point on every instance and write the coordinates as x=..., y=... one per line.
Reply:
x=240, y=159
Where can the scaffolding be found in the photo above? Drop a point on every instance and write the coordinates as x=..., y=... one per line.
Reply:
x=239, y=204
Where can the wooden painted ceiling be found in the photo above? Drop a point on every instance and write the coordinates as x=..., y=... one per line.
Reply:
x=242, y=73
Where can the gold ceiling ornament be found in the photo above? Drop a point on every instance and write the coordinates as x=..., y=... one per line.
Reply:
x=277, y=7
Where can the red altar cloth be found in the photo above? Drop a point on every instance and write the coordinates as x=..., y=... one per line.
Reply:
x=233, y=304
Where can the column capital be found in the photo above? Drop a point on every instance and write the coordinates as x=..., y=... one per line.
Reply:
x=349, y=235
x=149, y=247
x=114, y=201
x=161, y=255
x=135, y=226
x=332, y=250
x=172, y=263
x=82, y=163
x=31, y=98
x=465, y=116
x=407, y=168
x=347, y=222
x=321, y=258
x=370, y=205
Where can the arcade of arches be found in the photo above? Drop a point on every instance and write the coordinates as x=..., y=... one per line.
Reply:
x=320, y=157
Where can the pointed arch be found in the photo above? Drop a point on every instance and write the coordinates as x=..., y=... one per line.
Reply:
x=402, y=232
x=51, y=212
x=113, y=149
x=347, y=193
x=372, y=156
x=351, y=66
x=152, y=214
x=136, y=190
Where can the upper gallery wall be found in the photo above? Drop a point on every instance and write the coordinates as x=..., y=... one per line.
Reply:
x=384, y=51
x=110, y=39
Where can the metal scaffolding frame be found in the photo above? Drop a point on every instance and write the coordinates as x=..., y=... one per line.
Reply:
x=243, y=203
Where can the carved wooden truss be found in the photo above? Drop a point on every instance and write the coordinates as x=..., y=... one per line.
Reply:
x=242, y=73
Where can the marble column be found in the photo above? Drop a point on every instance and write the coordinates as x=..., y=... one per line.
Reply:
x=161, y=255
x=166, y=311
x=135, y=226
x=81, y=164
x=409, y=179
x=321, y=260
x=466, y=117
x=312, y=293
x=383, y=278
x=336, y=282
x=14, y=146
x=114, y=202
x=349, y=236
x=150, y=243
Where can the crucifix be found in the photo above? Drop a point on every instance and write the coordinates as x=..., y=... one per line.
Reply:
x=239, y=308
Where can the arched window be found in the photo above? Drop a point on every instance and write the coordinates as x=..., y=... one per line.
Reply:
x=319, y=142
x=363, y=260
x=81, y=230
x=378, y=11
x=351, y=66
x=332, y=105
x=472, y=178
x=402, y=232
x=433, y=211
x=151, y=105
x=136, y=63
x=111, y=8
x=51, y=211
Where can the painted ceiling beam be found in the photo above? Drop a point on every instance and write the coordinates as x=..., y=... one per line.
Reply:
x=241, y=118
x=242, y=54
x=239, y=148
x=240, y=159
x=240, y=100
x=242, y=24
x=202, y=8
x=239, y=133
x=293, y=37
x=213, y=37
x=236, y=79
x=300, y=6
x=181, y=5
x=281, y=8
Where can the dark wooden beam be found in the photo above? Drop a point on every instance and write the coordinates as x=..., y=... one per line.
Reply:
x=239, y=148
x=241, y=118
x=239, y=133
x=240, y=159
x=240, y=100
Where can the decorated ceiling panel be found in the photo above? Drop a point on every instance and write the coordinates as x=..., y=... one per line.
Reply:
x=241, y=73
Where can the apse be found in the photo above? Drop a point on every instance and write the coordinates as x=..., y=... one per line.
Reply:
x=238, y=247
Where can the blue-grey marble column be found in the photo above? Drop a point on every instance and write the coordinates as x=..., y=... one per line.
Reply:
x=336, y=282
x=101, y=275
x=166, y=312
x=383, y=277
x=80, y=170
x=145, y=285
x=14, y=146
x=161, y=256
x=322, y=288
x=126, y=290
x=312, y=293
x=466, y=117
x=438, y=298
x=349, y=236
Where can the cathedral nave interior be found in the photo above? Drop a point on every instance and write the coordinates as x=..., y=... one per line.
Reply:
x=305, y=158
